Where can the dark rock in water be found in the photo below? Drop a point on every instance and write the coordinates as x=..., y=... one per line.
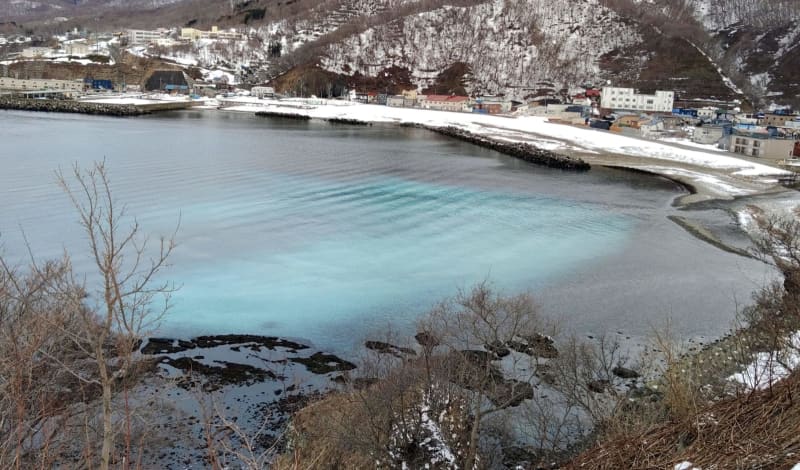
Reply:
x=478, y=357
x=535, y=345
x=545, y=373
x=387, y=348
x=542, y=346
x=228, y=373
x=297, y=117
x=598, y=386
x=323, y=363
x=268, y=342
x=352, y=122
x=166, y=346
x=625, y=373
x=426, y=339
x=474, y=370
x=498, y=349
x=510, y=393
x=254, y=342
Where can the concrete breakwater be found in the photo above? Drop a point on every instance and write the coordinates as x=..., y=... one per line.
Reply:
x=523, y=151
x=68, y=106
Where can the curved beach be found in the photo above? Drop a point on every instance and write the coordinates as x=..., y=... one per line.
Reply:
x=707, y=174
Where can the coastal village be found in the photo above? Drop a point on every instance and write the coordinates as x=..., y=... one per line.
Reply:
x=334, y=172
x=27, y=72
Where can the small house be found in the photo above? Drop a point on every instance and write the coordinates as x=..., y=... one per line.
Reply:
x=632, y=120
x=361, y=97
x=652, y=128
x=446, y=103
x=707, y=113
x=708, y=135
x=262, y=91
x=395, y=101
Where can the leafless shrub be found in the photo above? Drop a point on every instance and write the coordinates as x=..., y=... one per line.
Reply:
x=63, y=346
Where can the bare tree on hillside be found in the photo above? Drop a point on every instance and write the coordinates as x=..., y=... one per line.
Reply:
x=476, y=329
x=124, y=307
x=36, y=304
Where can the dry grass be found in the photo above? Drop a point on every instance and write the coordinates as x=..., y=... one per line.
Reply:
x=754, y=431
x=316, y=438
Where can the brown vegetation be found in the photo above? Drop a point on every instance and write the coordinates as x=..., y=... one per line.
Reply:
x=756, y=431
x=703, y=418
x=69, y=350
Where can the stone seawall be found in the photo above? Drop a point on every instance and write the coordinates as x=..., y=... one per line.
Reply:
x=67, y=106
x=523, y=151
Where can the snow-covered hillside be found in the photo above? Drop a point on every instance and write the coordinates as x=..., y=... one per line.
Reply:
x=48, y=9
x=753, y=41
x=719, y=14
x=507, y=44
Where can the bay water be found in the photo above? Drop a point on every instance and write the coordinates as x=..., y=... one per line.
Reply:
x=333, y=233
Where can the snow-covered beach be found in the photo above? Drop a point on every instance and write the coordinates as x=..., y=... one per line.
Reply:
x=709, y=174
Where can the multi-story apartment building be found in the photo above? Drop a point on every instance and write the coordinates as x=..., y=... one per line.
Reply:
x=629, y=99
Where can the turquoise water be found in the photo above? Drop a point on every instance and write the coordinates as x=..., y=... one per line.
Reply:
x=382, y=249
x=330, y=233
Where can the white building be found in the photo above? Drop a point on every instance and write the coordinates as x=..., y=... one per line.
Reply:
x=36, y=52
x=77, y=49
x=143, y=36
x=262, y=91
x=8, y=83
x=191, y=34
x=628, y=99
x=708, y=135
x=707, y=113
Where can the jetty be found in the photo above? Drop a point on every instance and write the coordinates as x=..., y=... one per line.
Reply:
x=523, y=151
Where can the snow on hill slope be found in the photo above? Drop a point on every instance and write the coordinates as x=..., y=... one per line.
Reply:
x=506, y=44
x=759, y=40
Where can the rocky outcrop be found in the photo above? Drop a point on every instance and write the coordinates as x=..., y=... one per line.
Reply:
x=297, y=117
x=351, y=122
x=69, y=106
x=388, y=348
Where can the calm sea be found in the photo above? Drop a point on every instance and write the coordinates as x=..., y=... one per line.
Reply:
x=330, y=232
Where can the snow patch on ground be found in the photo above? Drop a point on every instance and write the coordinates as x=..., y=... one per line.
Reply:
x=435, y=444
x=711, y=182
x=770, y=367
x=685, y=465
x=689, y=143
